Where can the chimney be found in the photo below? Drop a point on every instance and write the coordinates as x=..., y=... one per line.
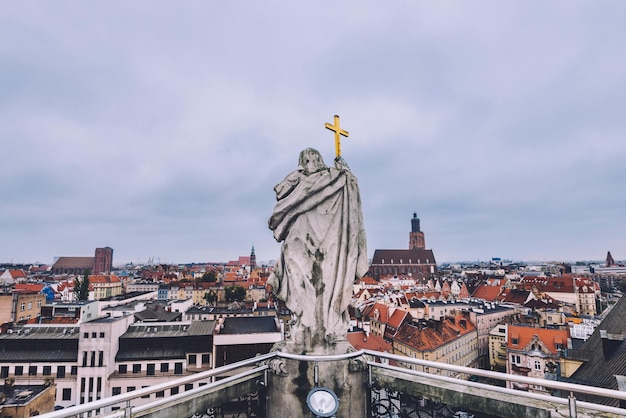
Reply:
x=610, y=343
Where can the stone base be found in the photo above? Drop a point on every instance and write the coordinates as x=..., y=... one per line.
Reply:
x=289, y=387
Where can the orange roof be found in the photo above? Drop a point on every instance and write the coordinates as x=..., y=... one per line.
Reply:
x=427, y=336
x=525, y=335
x=361, y=341
x=382, y=310
x=16, y=274
x=488, y=293
x=101, y=278
x=429, y=295
x=29, y=287
x=368, y=280
x=397, y=318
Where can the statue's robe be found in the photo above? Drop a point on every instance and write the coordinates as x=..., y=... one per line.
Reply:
x=318, y=218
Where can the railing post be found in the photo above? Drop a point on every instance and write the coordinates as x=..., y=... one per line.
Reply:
x=128, y=409
x=572, y=405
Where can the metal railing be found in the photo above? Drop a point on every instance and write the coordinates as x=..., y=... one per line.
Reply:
x=256, y=369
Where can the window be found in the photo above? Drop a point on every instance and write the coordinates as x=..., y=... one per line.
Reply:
x=130, y=388
x=192, y=360
x=165, y=367
x=19, y=370
x=145, y=396
x=86, y=335
x=102, y=335
x=178, y=368
x=32, y=370
x=515, y=359
x=30, y=305
x=84, y=359
x=100, y=358
x=160, y=394
x=4, y=372
x=67, y=394
x=174, y=391
x=60, y=372
x=39, y=303
x=150, y=369
x=205, y=359
x=116, y=390
x=136, y=368
x=93, y=359
x=123, y=368
x=74, y=370
x=47, y=370
x=188, y=386
x=94, y=334
x=22, y=306
x=537, y=365
x=515, y=341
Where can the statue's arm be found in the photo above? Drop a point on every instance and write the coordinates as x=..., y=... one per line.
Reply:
x=286, y=186
x=341, y=164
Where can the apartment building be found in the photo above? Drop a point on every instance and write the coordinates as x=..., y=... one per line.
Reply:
x=534, y=352
x=452, y=340
x=16, y=306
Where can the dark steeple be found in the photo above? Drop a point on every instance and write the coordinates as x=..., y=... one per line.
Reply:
x=252, y=259
x=416, y=237
x=609, y=260
x=415, y=223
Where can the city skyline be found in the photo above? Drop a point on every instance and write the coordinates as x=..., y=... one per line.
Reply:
x=160, y=129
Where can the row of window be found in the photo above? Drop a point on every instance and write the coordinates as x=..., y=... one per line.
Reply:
x=151, y=368
x=517, y=360
x=116, y=390
x=90, y=357
x=30, y=305
x=93, y=335
x=33, y=370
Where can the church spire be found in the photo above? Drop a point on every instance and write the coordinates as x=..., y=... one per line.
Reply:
x=610, y=262
x=252, y=259
x=416, y=236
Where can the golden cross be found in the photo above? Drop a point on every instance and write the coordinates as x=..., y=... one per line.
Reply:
x=338, y=133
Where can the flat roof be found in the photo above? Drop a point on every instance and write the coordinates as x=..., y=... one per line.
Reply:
x=20, y=394
x=249, y=325
x=169, y=329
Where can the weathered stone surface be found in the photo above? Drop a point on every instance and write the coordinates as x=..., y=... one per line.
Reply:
x=318, y=219
x=288, y=393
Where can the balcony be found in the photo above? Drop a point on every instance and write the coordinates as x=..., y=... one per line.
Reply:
x=243, y=388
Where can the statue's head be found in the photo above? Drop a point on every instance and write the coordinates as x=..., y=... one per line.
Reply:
x=311, y=161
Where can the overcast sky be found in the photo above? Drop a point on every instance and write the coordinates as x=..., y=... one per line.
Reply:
x=160, y=128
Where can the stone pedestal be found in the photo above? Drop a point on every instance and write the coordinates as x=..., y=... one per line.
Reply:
x=292, y=380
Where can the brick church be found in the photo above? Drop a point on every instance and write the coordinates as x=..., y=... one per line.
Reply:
x=417, y=261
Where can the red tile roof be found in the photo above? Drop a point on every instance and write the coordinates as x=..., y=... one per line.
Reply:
x=426, y=336
x=361, y=341
x=486, y=292
x=29, y=287
x=524, y=335
x=396, y=319
x=101, y=278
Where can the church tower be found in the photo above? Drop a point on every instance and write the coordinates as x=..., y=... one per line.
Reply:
x=610, y=262
x=416, y=237
x=252, y=259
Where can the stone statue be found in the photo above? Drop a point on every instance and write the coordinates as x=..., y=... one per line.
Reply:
x=318, y=219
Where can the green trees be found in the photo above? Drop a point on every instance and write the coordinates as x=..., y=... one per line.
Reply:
x=210, y=276
x=235, y=293
x=210, y=297
x=81, y=287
